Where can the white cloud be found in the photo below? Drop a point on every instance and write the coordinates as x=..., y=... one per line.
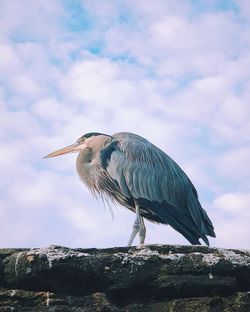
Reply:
x=36, y=20
x=232, y=218
x=9, y=60
x=97, y=82
x=17, y=124
x=233, y=165
x=24, y=84
x=244, y=7
x=235, y=203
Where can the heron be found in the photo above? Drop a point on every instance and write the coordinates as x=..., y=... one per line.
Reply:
x=131, y=171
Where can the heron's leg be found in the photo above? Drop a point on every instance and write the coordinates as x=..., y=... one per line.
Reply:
x=142, y=232
x=136, y=226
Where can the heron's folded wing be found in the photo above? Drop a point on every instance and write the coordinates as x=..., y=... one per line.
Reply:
x=145, y=172
x=144, y=185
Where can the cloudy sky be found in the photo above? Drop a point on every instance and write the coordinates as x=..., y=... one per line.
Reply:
x=175, y=72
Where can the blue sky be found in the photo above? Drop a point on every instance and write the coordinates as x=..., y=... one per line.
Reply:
x=175, y=72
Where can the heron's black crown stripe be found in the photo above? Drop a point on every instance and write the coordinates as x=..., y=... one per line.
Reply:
x=106, y=153
x=90, y=134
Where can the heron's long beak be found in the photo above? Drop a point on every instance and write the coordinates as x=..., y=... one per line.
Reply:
x=65, y=150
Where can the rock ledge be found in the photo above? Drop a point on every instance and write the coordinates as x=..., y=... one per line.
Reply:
x=154, y=278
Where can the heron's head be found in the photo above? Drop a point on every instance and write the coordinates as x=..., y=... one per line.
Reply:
x=88, y=140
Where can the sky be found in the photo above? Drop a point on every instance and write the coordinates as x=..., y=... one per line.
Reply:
x=174, y=72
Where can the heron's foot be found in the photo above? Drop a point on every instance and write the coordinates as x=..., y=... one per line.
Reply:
x=141, y=246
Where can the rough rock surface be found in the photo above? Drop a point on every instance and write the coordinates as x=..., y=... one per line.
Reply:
x=154, y=278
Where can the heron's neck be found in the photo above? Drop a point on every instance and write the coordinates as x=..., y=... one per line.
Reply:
x=84, y=158
x=84, y=166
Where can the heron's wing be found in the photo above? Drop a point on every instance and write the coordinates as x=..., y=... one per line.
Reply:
x=151, y=177
x=149, y=172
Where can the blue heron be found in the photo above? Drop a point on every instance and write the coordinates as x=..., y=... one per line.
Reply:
x=133, y=172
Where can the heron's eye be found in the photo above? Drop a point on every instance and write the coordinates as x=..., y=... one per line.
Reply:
x=80, y=140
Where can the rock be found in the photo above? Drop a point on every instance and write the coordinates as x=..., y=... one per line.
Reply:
x=153, y=278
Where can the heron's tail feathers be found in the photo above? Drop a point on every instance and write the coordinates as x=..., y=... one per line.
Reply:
x=199, y=217
x=206, y=241
x=168, y=214
x=183, y=223
x=209, y=225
